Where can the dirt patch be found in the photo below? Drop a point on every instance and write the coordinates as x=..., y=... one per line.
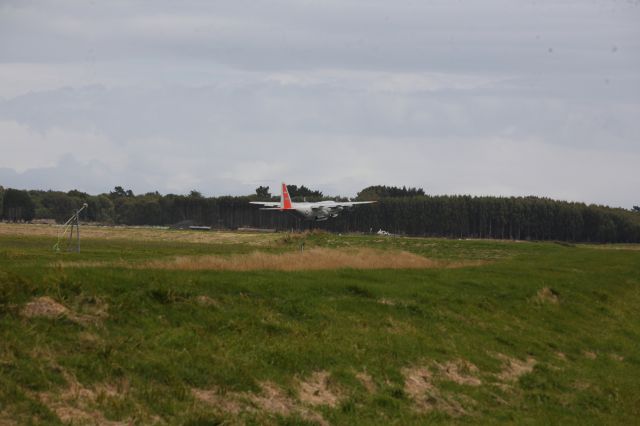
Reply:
x=316, y=390
x=426, y=397
x=92, y=310
x=272, y=399
x=76, y=403
x=513, y=368
x=206, y=301
x=616, y=357
x=548, y=295
x=225, y=403
x=387, y=302
x=95, y=307
x=460, y=371
x=561, y=356
x=44, y=307
x=418, y=382
x=590, y=354
x=367, y=382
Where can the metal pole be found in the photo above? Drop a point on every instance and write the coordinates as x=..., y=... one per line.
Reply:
x=84, y=206
x=78, y=231
x=70, y=237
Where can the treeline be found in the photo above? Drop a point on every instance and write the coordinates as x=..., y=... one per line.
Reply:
x=405, y=211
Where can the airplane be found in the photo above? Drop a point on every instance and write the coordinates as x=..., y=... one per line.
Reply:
x=318, y=212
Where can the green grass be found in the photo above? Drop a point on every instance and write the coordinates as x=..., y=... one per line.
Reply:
x=158, y=340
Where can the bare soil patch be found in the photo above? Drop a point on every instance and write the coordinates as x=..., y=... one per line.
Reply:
x=44, y=307
x=367, y=381
x=206, y=301
x=77, y=404
x=590, y=354
x=513, y=368
x=418, y=382
x=547, y=295
x=213, y=397
x=460, y=371
x=92, y=310
x=272, y=399
x=419, y=386
x=316, y=390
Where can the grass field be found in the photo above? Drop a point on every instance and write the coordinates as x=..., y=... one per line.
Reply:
x=150, y=326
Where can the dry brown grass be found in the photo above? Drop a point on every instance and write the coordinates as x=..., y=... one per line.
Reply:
x=513, y=368
x=631, y=247
x=421, y=385
x=547, y=295
x=46, y=307
x=308, y=260
x=459, y=371
x=76, y=404
x=141, y=234
x=312, y=259
x=271, y=400
x=426, y=397
x=367, y=381
x=316, y=390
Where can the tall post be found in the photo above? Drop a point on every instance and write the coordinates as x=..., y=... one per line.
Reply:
x=78, y=231
x=70, y=237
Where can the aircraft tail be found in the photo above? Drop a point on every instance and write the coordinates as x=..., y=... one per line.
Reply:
x=285, y=199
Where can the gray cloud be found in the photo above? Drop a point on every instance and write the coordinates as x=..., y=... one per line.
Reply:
x=496, y=97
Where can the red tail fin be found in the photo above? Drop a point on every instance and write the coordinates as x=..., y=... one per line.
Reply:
x=285, y=200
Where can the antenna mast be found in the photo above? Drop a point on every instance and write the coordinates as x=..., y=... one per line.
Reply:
x=74, y=221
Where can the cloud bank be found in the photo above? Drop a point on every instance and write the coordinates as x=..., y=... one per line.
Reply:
x=499, y=97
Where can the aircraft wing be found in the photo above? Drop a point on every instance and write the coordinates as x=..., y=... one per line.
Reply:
x=339, y=206
x=266, y=203
x=353, y=203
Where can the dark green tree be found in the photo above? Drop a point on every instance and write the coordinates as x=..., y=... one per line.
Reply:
x=302, y=192
x=100, y=209
x=59, y=206
x=262, y=193
x=17, y=205
x=119, y=191
x=377, y=192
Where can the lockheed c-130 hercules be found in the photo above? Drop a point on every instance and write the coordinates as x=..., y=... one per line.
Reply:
x=319, y=211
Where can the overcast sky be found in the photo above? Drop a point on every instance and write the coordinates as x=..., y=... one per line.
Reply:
x=482, y=97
